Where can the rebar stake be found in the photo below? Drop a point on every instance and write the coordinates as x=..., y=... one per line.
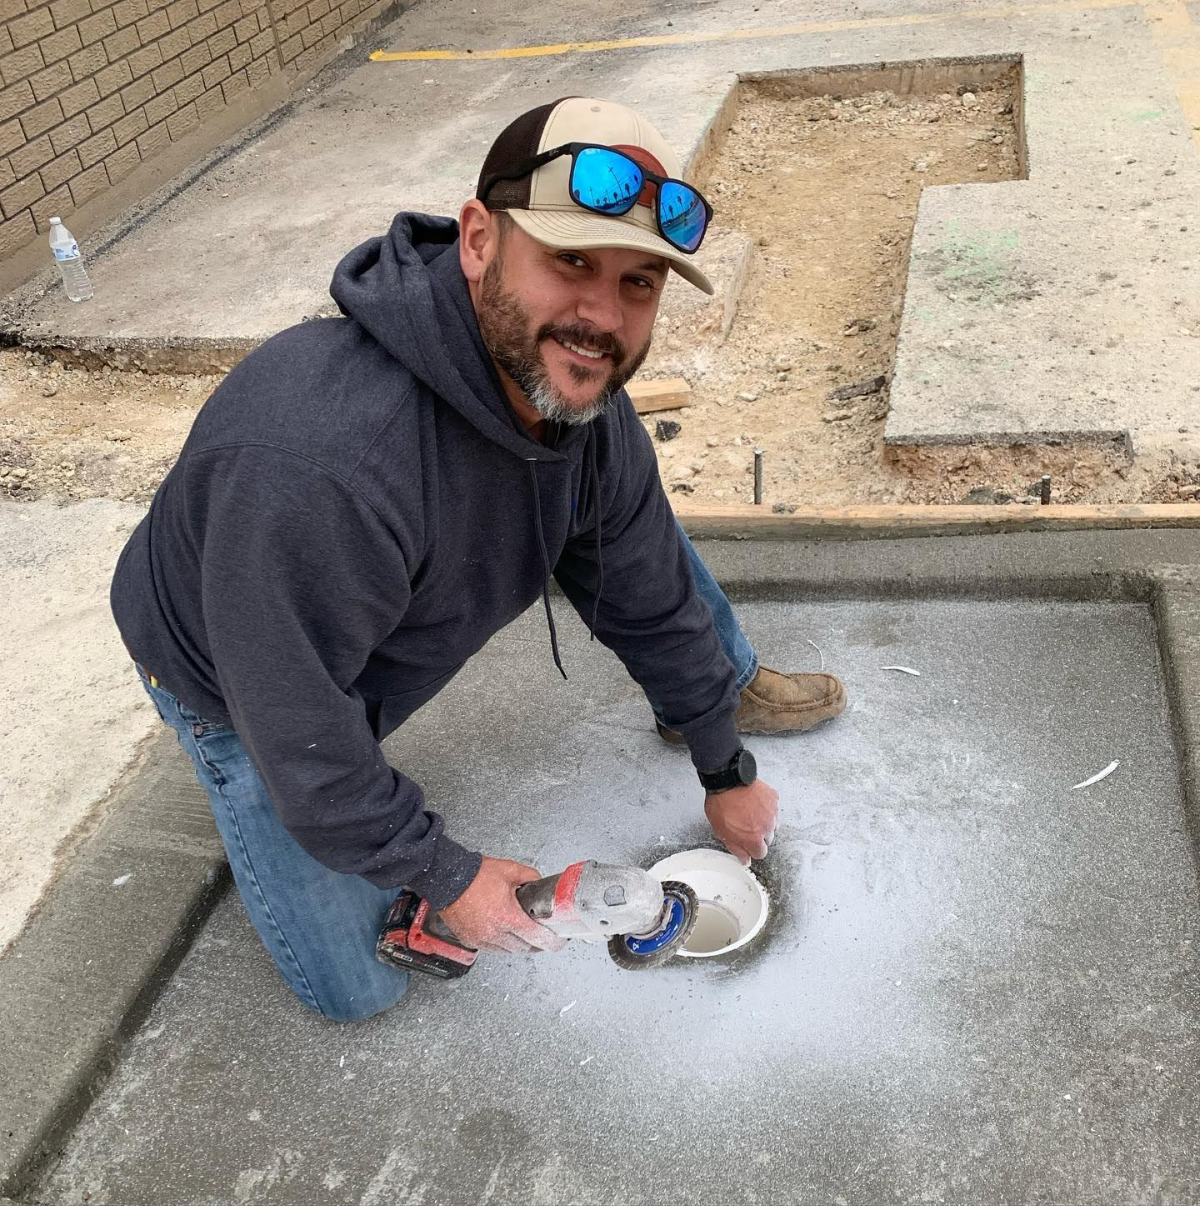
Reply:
x=1045, y=490
x=758, y=455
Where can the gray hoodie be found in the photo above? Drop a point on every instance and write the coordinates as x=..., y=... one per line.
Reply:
x=355, y=513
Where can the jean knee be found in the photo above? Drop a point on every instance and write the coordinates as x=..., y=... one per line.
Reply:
x=366, y=1001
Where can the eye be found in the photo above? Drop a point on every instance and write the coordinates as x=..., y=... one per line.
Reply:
x=576, y=261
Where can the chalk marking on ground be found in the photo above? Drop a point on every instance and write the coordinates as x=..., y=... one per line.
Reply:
x=998, y=12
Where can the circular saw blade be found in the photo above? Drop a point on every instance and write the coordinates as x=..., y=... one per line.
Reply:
x=638, y=952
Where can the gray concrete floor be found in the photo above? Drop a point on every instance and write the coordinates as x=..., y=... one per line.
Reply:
x=978, y=985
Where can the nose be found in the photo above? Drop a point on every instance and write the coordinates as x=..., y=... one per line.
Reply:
x=599, y=306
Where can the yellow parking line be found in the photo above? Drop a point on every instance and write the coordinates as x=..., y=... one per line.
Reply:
x=1178, y=39
x=736, y=35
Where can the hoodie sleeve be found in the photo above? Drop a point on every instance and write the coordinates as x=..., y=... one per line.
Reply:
x=650, y=613
x=301, y=580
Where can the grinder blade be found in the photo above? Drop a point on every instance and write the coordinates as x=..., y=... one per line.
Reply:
x=636, y=952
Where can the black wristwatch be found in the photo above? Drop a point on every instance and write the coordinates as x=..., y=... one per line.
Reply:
x=740, y=771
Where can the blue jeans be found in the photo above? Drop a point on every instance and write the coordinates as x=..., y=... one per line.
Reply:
x=318, y=925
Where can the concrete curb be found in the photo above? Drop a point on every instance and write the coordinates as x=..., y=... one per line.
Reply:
x=66, y=1018
x=84, y=973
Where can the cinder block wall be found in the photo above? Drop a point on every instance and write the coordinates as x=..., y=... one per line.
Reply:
x=90, y=89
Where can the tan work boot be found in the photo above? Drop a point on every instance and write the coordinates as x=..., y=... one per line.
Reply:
x=782, y=703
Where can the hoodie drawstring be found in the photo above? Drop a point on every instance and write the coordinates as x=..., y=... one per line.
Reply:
x=537, y=519
x=594, y=461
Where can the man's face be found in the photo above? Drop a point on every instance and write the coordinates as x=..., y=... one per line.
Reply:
x=569, y=327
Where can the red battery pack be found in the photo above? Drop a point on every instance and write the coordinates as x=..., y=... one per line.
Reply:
x=407, y=941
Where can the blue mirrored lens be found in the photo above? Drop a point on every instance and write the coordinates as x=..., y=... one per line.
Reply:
x=605, y=181
x=683, y=216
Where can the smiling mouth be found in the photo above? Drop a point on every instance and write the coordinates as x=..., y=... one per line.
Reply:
x=580, y=351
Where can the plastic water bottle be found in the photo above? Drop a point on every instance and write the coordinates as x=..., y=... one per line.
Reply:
x=70, y=262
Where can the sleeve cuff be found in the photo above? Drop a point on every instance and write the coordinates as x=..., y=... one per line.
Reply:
x=713, y=745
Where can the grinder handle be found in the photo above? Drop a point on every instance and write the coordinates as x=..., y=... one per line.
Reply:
x=537, y=897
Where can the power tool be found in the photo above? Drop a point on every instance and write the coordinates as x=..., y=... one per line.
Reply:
x=644, y=921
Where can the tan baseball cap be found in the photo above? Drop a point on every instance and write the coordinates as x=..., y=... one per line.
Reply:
x=540, y=202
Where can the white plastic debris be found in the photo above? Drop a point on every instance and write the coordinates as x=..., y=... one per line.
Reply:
x=903, y=670
x=1108, y=770
x=567, y=1007
x=818, y=649
x=122, y=880
x=584, y=1062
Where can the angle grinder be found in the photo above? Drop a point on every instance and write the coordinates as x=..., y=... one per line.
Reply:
x=644, y=922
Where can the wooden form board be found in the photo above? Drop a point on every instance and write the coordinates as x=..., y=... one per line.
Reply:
x=916, y=520
x=668, y=394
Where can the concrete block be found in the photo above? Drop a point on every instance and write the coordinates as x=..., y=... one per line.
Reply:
x=6, y=42
x=154, y=26
x=181, y=12
x=51, y=81
x=24, y=62
x=69, y=12
x=113, y=78
x=154, y=140
x=97, y=27
x=97, y=147
x=289, y=49
x=59, y=45
x=235, y=85
x=70, y=134
x=129, y=12
x=15, y=99
x=89, y=184
x=239, y=57
x=143, y=61
x=246, y=28
x=123, y=42
x=54, y=205
x=90, y=60
x=109, y=110
x=184, y=122
x=21, y=195
x=11, y=137
x=60, y=171
x=130, y=126
x=174, y=44
x=31, y=156
x=258, y=72
x=82, y=96
x=7, y=175
x=160, y=107
x=262, y=43
x=122, y=162
x=222, y=42
x=138, y=93
x=195, y=58
x=189, y=89
x=215, y=72
x=202, y=28
x=211, y=102
x=227, y=13
x=167, y=76
x=41, y=117
x=31, y=27
x=15, y=233
x=11, y=8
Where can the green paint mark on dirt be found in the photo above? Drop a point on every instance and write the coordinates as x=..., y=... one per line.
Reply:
x=1148, y=115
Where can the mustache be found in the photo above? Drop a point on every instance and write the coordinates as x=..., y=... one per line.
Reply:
x=594, y=341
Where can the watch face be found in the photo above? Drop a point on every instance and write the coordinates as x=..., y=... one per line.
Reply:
x=747, y=768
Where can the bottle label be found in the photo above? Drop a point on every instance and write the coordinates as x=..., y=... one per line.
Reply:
x=69, y=251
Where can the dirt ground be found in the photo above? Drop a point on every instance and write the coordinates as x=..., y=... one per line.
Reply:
x=827, y=189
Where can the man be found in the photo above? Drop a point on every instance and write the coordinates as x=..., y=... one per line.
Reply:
x=365, y=501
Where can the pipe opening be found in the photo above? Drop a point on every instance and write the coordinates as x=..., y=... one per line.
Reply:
x=733, y=904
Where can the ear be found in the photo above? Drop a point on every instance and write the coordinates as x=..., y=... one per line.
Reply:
x=479, y=239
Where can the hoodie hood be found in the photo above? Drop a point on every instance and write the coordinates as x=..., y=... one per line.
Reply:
x=406, y=288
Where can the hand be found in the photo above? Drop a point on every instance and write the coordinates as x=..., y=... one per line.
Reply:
x=488, y=917
x=744, y=818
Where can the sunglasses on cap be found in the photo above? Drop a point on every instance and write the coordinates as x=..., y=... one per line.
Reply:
x=606, y=181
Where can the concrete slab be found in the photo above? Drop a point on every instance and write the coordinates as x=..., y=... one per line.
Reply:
x=72, y=716
x=1006, y=301
x=975, y=985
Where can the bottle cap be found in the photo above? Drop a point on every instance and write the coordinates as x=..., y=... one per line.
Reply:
x=56, y=221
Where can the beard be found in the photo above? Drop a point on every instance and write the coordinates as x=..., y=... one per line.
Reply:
x=506, y=328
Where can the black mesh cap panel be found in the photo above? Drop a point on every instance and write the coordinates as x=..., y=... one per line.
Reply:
x=517, y=142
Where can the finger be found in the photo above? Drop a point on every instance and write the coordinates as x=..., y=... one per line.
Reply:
x=513, y=944
x=758, y=849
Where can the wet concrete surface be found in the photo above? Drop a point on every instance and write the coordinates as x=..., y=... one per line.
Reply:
x=977, y=984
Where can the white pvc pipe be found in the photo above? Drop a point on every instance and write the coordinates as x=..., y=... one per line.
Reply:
x=733, y=904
